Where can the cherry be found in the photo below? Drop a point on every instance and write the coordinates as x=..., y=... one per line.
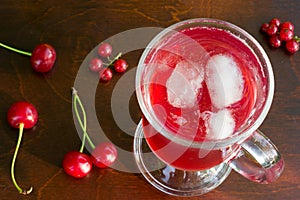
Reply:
x=104, y=155
x=77, y=164
x=275, y=41
x=264, y=27
x=292, y=46
x=275, y=21
x=42, y=58
x=287, y=25
x=104, y=50
x=22, y=115
x=272, y=30
x=105, y=74
x=120, y=65
x=95, y=64
x=22, y=112
x=286, y=34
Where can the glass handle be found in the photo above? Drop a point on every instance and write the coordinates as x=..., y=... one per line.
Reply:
x=258, y=160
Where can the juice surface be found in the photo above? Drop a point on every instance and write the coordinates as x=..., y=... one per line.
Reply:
x=192, y=122
x=195, y=112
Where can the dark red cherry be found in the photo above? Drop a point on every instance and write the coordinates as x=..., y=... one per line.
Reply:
x=286, y=34
x=105, y=74
x=120, y=65
x=292, y=46
x=275, y=41
x=287, y=25
x=22, y=112
x=77, y=164
x=104, y=155
x=43, y=58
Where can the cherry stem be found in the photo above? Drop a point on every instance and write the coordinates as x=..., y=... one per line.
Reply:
x=12, y=169
x=113, y=60
x=297, y=39
x=76, y=100
x=15, y=50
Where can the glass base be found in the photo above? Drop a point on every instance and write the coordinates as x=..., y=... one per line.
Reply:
x=171, y=180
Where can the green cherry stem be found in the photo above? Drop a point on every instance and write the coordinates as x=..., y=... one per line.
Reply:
x=12, y=169
x=113, y=60
x=15, y=50
x=297, y=39
x=76, y=100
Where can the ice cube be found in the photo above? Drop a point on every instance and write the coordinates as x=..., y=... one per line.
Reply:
x=220, y=125
x=184, y=83
x=224, y=81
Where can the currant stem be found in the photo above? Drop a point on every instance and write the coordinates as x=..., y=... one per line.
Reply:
x=15, y=50
x=12, y=169
x=76, y=100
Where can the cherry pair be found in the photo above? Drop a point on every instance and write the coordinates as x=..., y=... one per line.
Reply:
x=23, y=115
x=280, y=33
x=97, y=65
x=79, y=164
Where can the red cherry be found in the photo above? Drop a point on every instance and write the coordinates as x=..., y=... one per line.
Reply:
x=95, y=64
x=287, y=25
x=105, y=74
x=22, y=112
x=286, y=34
x=104, y=50
x=104, y=155
x=264, y=27
x=292, y=46
x=272, y=30
x=43, y=58
x=275, y=41
x=275, y=21
x=21, y=115
x=120, y=65
x=77, y=164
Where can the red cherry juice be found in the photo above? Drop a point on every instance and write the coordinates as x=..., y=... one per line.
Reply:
x=184, y=122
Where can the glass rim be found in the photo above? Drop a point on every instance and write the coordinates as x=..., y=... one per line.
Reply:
x=239, y=135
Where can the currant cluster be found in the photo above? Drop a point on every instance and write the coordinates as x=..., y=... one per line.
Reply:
x=77, y=163
x=280, y=33
x=97, y=65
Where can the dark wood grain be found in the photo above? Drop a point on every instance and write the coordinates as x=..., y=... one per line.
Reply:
x=74, y=28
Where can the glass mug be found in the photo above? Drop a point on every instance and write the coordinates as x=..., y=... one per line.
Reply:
x=204, y=87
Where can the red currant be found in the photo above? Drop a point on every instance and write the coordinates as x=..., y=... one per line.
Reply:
x=43, y=58
x=264, y=27
x=272, y=30
x=287, y=25
x=77, y=164
x=104, y=155
x=22, y=112
x=95, y=64
x=292, y=46
x=105, y=74
x=286, y=34
x=120, y=65
x=275, y=21
x=104, y=50
x=275, y=41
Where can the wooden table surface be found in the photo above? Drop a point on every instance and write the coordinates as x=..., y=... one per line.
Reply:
x=74, y=28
